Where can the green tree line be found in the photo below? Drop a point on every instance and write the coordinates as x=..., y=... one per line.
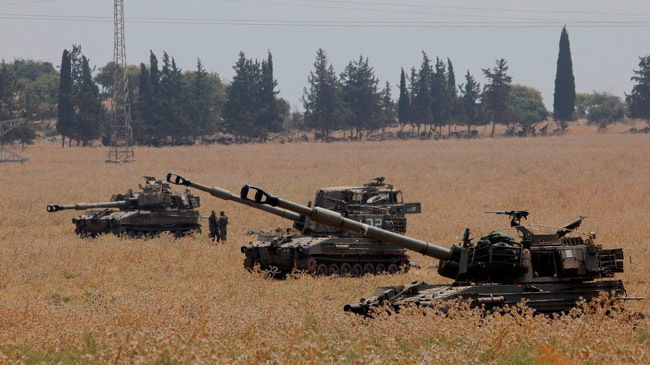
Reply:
x=170, y=106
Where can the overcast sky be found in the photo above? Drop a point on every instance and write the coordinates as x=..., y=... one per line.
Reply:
x=607, y=37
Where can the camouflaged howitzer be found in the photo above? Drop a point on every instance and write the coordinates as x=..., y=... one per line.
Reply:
x=320, y=249
x=154, y=210
x=549, y=272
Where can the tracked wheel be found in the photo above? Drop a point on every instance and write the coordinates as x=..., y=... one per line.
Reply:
x=368, y=269
x=321, y=270
x=357, y=270
x=393, y=269
x=333, y=269
x=380, y=268
x=346, y=269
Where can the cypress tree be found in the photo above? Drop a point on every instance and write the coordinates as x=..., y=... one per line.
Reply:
x=413, y=81
x=76, y=74
x=65, y=106
x=152, y=119
x=564, y=98
x=453, y=94
x=404, y=106
x=639, y=98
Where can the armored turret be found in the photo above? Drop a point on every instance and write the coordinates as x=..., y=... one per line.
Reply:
x=551, y=272
x=321, y=249
x=154, y=210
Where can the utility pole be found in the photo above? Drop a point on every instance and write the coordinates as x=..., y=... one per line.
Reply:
x=121, y=133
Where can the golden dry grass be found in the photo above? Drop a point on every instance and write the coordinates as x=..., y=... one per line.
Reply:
x=63, y=299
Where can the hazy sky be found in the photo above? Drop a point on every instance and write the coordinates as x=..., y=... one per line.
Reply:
x=607, y=37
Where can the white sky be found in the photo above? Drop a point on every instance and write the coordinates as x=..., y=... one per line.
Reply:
x=607, y=37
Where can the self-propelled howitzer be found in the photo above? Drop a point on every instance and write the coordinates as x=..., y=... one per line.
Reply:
x=153, y=210
x=320, y=249
x=549, y=272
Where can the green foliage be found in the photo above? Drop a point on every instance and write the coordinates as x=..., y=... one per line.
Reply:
x=583, y=102
x=173, y=121
x=105, y=77
x=32, y=70
x=90, y=111
x=81, y=113
x=7, y=91
x=453, y=109
x=201, y=109
x=361, y=98
x=470, y=108
x=252, y=108
x=526, y=108
x=404, y=103
x=441, y=95
x=388, y=114
x=66, y=103
x=322, y=101
x=237, y=112
x=564, y=98
x=496, y=93
x=606, y=109
x=28, y=89
x=270, y=110
x=421, y=96
x=639, y=98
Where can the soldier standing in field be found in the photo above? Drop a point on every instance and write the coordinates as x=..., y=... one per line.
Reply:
x=222, y=223
x=214, y=227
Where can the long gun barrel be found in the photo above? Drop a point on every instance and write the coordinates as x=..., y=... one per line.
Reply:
x=83, y=206
x=226, y=195
x=333, y=219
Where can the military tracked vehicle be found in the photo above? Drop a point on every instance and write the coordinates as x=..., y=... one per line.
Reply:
x=154, y=210
x=548, y=272
x=323, y=250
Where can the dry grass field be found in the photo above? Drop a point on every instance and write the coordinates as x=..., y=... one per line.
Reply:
x=111, y=300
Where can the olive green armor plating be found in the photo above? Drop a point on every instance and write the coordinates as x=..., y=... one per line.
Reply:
x=154, y=210
x=549, y=272
x=319, y=248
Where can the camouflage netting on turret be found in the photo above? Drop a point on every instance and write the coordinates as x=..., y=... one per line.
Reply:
x=498, y=248
x=495, y=237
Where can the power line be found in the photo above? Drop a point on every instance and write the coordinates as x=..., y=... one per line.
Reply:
x=477, y=8
x=26, y=2
x=390, y=11
x=332, y=23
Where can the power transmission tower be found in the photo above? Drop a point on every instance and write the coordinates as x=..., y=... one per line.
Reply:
x=121, y=149
x=5, y=154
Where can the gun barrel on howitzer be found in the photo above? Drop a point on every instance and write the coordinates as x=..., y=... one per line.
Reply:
x=226, y=195
x=333, y=219
x=83, y=206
